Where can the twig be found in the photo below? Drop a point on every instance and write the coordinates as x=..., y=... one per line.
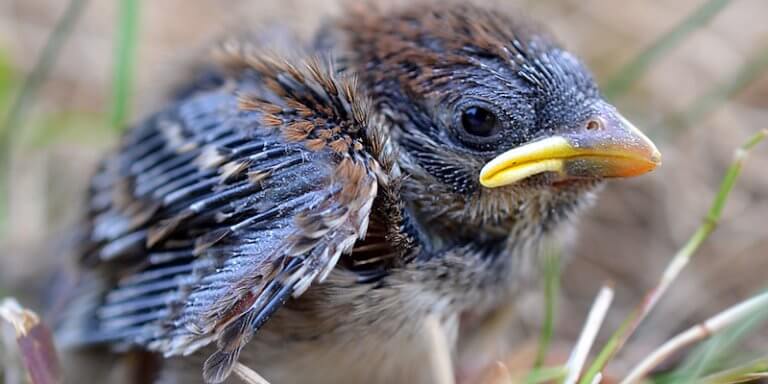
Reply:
x=678, y=262
x=439, y=352
x=35, y=343
x=588, y=334
x=697, y=333
x=627, y=75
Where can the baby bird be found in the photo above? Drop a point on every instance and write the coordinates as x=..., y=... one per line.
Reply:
x=283, y=215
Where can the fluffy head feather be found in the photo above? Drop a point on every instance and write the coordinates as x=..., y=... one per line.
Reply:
x=427, y=66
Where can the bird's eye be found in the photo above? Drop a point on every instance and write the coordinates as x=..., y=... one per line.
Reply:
x=479, y=121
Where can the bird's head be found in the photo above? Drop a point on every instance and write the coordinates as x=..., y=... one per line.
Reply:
x=489, y=113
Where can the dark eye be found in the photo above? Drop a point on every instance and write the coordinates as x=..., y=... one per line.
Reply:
x=479, y=121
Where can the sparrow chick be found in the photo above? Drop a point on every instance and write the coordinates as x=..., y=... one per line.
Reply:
x=287, y=217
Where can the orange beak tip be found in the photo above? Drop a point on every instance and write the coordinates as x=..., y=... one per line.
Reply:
x=619, y=150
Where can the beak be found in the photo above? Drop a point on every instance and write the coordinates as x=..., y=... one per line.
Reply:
x=604, y=148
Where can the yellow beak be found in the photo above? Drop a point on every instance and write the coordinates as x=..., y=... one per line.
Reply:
x=611, y=149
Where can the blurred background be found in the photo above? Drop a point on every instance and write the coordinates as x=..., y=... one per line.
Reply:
x=690, y=73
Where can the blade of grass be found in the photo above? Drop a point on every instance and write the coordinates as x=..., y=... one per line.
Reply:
x=588, y=334
x=718, y=348
x=678, y=262
x=551, y=292
x=707, y=103
x=8, y=84
x=29, y=89
x=621, y=82
x=536, y=376
x=547, y=375
x=697, y=333
x=125, y=53
x=248, y=375
x=738, y=374
x=61, y=31
x=440, y=362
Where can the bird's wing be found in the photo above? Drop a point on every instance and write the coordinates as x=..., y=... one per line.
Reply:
x=216, y=211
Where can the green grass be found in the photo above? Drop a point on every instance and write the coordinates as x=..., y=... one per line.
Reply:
x=625, y=77
x=719, y=352
x=8, y=84
x=551, y=293
x=47, y=129
x=82, y=128
x=124, y=65
x=625, y=331
x=546, y=375
x=8, y=81
x=14, y=118
x=702, y=107
x=39, y=73
x=707, y=103
x=739, y=373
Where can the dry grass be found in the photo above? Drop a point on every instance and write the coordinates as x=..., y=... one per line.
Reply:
x=34, y=346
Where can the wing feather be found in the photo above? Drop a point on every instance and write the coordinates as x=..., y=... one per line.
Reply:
x=217, y=210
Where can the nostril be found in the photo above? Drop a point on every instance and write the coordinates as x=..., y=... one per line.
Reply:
x=594, y=124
